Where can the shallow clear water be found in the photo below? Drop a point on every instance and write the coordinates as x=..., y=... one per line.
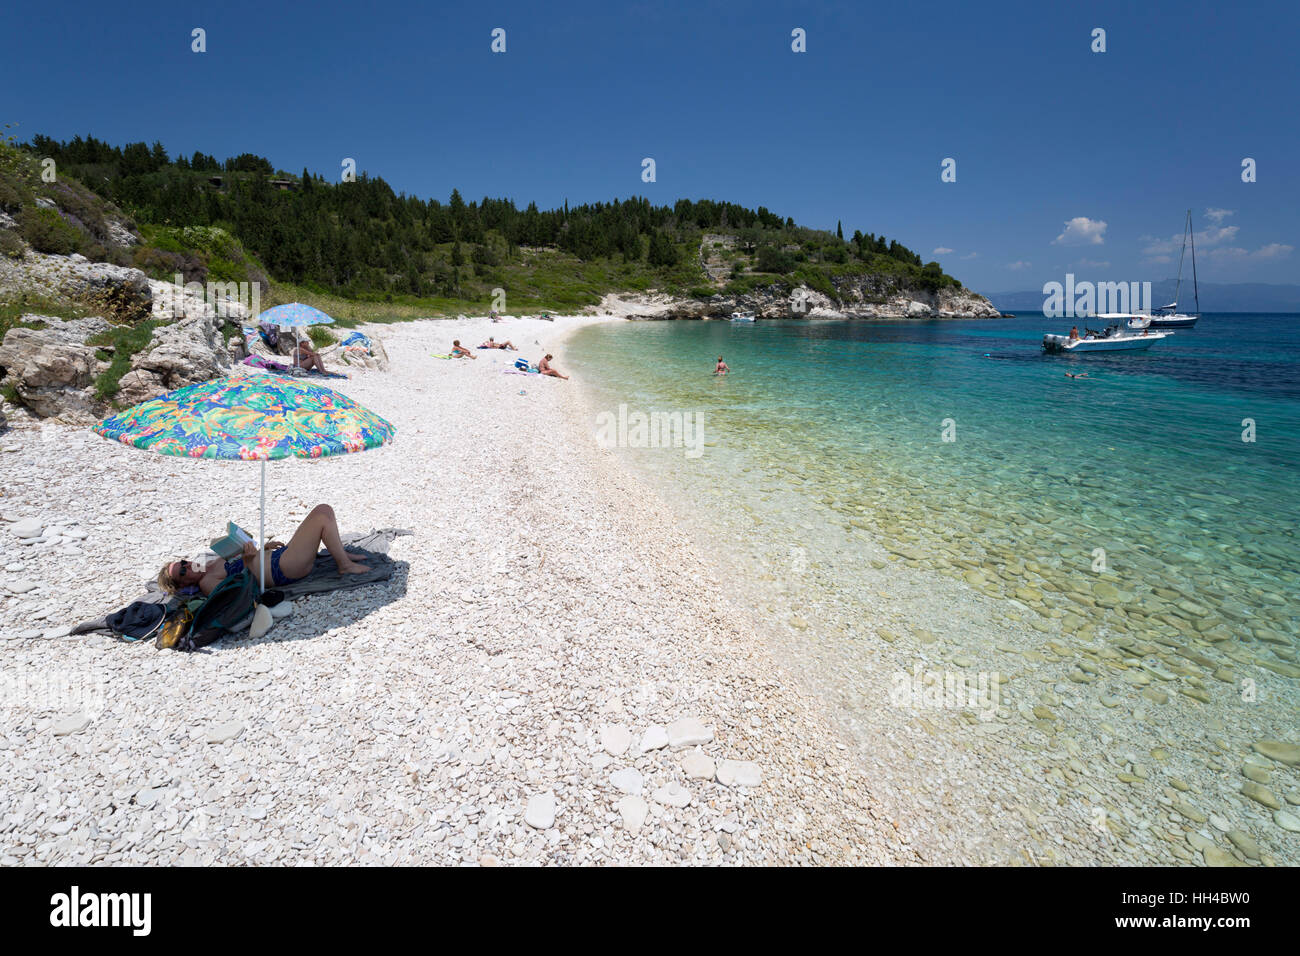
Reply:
x=1129, y=496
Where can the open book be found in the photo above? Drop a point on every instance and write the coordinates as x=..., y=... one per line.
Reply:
x=231, y=545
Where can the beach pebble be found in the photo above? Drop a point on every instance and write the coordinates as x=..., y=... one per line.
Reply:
x=615, y=739
x=739, y=773
x=633, y=810
x=28, y=528
x=224, y=732
x=20, y=586
x=540, y=812
x=655, y=738
x=697, y=766
x=673, y=795
x=1261, y=794
x=1244, y=842
x=1286, y=753
x=1287, y=820
x=1217, y=857
x=627, y=780
x=70, y=725
x=687, y=732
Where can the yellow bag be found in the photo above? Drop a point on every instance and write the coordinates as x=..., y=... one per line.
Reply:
x=175, y=628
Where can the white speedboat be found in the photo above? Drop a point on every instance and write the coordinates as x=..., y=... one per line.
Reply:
x=742, y=317
x=1126, y=332
x=1168, y=316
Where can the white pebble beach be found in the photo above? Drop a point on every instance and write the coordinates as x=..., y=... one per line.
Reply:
x=552, y=675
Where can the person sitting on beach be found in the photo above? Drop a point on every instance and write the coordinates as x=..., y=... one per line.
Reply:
x=307, y=357
x=721, y=368
x=285, y=563
x=544, y=366
x=459, y=351
x=492, y=343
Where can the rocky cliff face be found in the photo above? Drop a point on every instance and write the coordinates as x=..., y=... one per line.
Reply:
x=52, y=370
x=868, y=297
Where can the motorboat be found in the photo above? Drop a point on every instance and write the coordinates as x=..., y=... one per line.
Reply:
x=742, y=317
x=1125, y=332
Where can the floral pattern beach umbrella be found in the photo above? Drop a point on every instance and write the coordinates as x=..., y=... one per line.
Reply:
x=250, y=418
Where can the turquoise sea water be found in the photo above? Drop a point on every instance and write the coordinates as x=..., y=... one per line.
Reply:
x=1144, y=458
x=1109, y=545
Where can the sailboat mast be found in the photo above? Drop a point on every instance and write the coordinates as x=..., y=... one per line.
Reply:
x=1179, y=286
x=1195, y=285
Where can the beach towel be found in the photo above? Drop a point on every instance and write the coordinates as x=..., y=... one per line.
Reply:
x=356, y=338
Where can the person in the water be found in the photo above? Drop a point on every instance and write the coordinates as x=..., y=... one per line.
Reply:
x=1076, y=374
x=721, y=367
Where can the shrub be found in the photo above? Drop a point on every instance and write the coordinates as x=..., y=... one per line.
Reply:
x=772, y=259
x=126, y=341
x=46, y=231
x=320, y=336
x=11, y=244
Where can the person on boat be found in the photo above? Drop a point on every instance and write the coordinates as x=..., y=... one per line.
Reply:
x=459, y=351
x=544, y=366
x=721, y=368
x=492, y=343
x=1074, y=333
x=285, y=563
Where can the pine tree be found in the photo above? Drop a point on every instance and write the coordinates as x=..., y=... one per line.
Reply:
x=839, y=230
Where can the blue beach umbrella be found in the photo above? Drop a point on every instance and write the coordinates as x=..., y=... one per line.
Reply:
x=294, y=315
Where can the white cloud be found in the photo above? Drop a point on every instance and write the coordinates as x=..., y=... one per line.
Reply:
x=1217, y=216
x=1082, y=231
x=1274, y=250
x=1019, y=266
x=1092, y=264
x=970, y=255
x=1205, y=239
x=941, y=251
x=1157, y=260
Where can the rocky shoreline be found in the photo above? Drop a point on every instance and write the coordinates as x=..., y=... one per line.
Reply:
x=857, y=300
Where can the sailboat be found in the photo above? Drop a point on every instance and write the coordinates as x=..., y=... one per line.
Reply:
x=1168, y=316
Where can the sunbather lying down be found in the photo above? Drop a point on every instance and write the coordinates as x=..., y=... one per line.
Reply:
x=492, y=343
x=284, y=562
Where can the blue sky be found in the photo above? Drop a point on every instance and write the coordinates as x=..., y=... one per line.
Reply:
x=1050, y=139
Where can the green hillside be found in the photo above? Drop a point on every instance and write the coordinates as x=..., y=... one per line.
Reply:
x=362, y=242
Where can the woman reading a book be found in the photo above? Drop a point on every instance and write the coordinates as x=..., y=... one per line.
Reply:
x=285, y=563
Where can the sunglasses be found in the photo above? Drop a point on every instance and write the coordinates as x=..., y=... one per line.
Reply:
x=183, y=568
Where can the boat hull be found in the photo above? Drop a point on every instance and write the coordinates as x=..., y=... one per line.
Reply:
x=1061, y=344
x=1173, y=321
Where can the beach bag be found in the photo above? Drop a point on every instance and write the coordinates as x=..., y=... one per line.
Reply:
x=225, y=609
x=176, y=627
x=521, y=364
x=138, y=620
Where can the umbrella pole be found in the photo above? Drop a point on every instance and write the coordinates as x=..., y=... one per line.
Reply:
x=261, y=533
